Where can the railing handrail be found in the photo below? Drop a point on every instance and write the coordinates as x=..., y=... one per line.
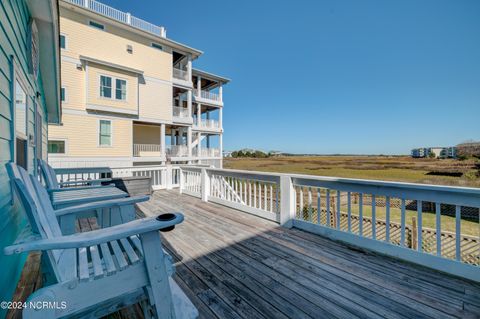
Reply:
x=207, y=95
x=121, y=16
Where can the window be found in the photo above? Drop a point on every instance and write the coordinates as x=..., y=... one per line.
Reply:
x=106, y=86
x=157, y=46
x=120, y=89
x=96, y=25
x=20, y=110
x=105, y=133
x=63, y=94
x=56, y=147
x=63, y=41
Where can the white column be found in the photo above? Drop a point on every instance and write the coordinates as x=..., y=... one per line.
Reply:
x=220, y=118
x=189, y=141
x=220, y=144
x=220, y=92
x=189, y=67
x=199, y=114
x=199, y=144
x=162, y=140
x=189, y=102
x=199, y=86
x=172, y=137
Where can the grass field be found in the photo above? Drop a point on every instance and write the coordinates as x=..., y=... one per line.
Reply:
x=391, y=168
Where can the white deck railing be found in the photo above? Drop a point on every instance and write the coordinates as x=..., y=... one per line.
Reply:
x=120, y=16
x=207, y=95
x=177, y=150
x=206, y=152
x=348, y=210
x=161, y=176
x=208, y=123
x=147, y=150
x=179, y=111
x=180, y=74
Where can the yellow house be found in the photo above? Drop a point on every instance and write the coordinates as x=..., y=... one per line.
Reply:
x=130, y=95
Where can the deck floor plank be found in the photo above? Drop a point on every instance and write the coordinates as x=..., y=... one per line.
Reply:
x=317, y=275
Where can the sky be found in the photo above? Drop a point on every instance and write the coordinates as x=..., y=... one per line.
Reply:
x=335, y=76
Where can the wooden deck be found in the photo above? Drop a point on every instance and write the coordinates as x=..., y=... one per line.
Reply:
x=235, y=265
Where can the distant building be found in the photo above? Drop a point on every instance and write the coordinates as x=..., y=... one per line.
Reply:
x=227, y=153
x=439, y=152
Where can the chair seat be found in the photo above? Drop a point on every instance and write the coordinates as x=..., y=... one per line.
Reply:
x=109, y=258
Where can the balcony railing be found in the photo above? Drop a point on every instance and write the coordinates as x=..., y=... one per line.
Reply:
x=180, y=74
x=206, y=152
x=177, y=150
x=390, y=218
x=182, y=112
x=146, y=150
x=209, y=124
x=120, y=16
x=207, y=95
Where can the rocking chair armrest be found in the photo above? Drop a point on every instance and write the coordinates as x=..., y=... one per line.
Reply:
x=67, y=189
x=95, y=237
x=101, y=204
x=100, y=180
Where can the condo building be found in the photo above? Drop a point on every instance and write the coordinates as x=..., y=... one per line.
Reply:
x=130, y=95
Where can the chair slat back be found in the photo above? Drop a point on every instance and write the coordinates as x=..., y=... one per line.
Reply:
x=49, y=175
x=46, y=229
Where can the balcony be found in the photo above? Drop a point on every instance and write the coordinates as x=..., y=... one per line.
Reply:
x=120, y=16
x=207, y=97
x=180, y=74
x=177, y=150
x=206, y=152
x=181, y=115
x=147, y=150
x=207, y=124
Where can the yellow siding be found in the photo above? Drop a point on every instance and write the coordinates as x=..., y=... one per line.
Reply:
x=94, y=72
x=146, y=134
x=111, y=45
x=81, y=133
x=74, y=82
x=155, y=100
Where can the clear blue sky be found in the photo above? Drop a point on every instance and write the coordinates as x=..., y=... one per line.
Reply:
x=337, y=76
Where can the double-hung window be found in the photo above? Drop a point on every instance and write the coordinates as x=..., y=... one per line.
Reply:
x=120, y=89
x=106, y=86
x=105, y=133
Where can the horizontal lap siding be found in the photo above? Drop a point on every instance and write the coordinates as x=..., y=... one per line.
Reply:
x=14, y=18
x=81, y=134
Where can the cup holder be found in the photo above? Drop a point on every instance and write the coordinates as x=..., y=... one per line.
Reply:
x=166, y=218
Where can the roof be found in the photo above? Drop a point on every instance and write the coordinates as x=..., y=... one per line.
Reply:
x=157, y=38
x=210, y=76
x=46, y=15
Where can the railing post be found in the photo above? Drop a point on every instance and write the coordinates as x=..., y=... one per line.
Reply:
x=87, y=3
x=181, y=181
x=169, y=177
x=129, y=18
x=205, y=186
x=287, y=202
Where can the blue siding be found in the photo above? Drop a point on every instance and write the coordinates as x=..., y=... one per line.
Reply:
x=14, y=18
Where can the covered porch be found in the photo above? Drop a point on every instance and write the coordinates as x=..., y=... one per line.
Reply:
x=232, y=264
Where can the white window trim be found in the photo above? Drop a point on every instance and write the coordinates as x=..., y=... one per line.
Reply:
x=126, y=90
x=113, y=88
x=58, y=154
x=65, y=89
x=22, y=82
x=66, y=41
x=98, y=133
x=94, y=21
